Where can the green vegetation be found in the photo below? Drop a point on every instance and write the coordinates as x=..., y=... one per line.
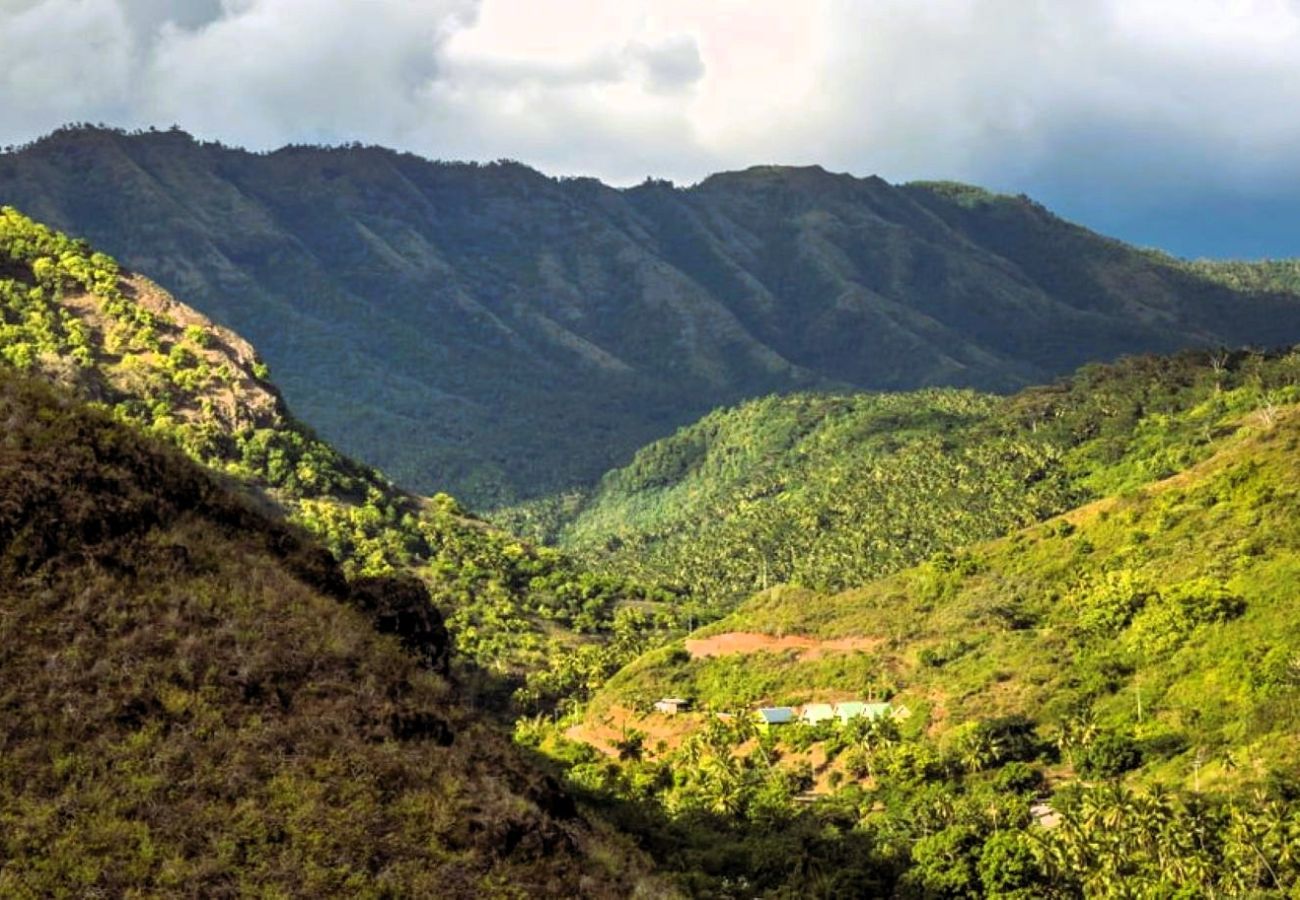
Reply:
x=902, y=814
x=197, y=703
x=1078, y=599
x=1128, y=666
x=71, y=315
x=829, y=491
x=1263, y=276
x=823, y=491
x=504, y=336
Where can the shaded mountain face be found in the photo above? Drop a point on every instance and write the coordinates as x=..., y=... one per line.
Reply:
x=501, y=334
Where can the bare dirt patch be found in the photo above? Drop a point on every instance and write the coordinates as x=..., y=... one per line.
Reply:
x=607, y=730
x=752, y=642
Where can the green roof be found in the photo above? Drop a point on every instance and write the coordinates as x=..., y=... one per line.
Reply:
x=854, y=708
x=776, y=715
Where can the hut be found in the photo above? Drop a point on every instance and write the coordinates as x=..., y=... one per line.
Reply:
x=855, y=709
x=671, y=706
x=816, y=713
x=768, y=716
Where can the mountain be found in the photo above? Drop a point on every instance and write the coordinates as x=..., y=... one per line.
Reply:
x=70, y=314
x=197, y=701
x=504, y=335
x=1106, y=703
x=830, y=491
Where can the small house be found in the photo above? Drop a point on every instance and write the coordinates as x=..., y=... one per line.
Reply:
x=816, y=713
x=773, y=715
x=855, y=709
x=671, y=706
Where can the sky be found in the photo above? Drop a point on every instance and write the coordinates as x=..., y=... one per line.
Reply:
x=1171, y=123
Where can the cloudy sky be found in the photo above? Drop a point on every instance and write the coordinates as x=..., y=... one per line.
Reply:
x=1168, y=122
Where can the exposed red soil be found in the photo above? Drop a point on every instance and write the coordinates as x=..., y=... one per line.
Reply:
x=608, y=730
x=752, y=642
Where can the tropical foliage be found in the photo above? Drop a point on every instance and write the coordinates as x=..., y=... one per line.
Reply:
x=503, y=335
x=830, y=491
x=71, y=314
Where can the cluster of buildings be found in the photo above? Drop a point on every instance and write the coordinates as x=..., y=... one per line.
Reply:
x=809, y=714
x=817, y=713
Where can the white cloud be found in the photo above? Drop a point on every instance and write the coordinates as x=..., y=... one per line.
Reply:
x=61, y=60
x=1139, y=94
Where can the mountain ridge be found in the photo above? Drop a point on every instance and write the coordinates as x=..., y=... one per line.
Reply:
x=501, y=334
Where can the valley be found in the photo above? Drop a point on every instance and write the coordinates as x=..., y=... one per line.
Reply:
x=722, y=450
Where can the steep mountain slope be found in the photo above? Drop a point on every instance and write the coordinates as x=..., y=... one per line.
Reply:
x=501, y=334
x=832, y=491
x=195, y=702
x=69, y=314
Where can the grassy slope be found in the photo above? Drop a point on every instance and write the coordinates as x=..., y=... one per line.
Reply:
x=194, y=702
x=70, y=315
x=1001, y=628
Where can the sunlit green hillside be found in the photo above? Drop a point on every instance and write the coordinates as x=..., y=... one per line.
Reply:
x=1125, y=672
x=831, y=491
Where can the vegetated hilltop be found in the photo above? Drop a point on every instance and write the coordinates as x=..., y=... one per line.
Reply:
x=503, y=335
x=1106, y=703
x=832, y=491
x=195, y=701
x=1182, y=587
x=68, y=313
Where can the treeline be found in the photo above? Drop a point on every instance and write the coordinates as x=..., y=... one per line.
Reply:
x=908, y=816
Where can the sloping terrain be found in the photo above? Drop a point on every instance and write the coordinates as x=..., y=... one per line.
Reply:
x=503, y=335
x=69, y=314
x=1102, y=704
x=832, y=491
x=1181, y=592
x=195, y=702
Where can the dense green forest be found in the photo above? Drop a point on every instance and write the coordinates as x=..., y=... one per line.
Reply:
x=1126, y=670
x=197, y=702
x=831, y=491
x=69, y=313
x=1274, y=275
x=501, y=335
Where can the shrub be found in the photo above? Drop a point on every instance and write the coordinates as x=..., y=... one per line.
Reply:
x=1110, y=755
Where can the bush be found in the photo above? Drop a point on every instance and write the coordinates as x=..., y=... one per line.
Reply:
x=1018, y=778
x=1110, y=755
x=1008, y=867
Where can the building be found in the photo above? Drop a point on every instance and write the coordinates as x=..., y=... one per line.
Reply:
x=816, y=713
x=671, y=706
x=774, y=715
x=854, y=709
